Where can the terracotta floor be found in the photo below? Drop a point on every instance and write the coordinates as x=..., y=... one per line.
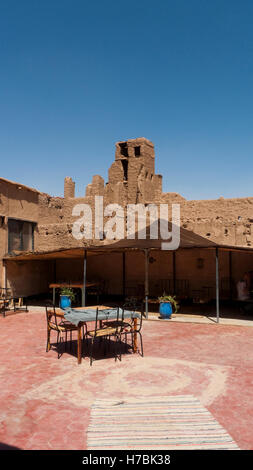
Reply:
x=45, y=401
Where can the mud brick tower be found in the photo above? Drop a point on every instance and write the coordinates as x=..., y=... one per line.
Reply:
x=134, y=171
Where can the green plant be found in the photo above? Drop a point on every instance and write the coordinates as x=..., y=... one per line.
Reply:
x=69, y=292
x=171, y=299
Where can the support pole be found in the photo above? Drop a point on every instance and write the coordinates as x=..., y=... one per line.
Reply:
x=54, y=278
x=174, y=272
x=124, y=274
x=84, y=279
x=5, y=283
x=146, y=281
x=217, y=285
x=5, y=275
x=230, y=276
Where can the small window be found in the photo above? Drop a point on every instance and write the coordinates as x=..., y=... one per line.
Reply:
x=123, y=149
x=125, y=169
x=20, y=235
x=137, y=151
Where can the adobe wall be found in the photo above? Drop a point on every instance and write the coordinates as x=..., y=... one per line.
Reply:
x=27, y=278
x=227, y=221
x=132, y=179
x=19, y=202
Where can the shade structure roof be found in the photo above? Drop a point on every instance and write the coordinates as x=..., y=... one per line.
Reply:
x=187, y=239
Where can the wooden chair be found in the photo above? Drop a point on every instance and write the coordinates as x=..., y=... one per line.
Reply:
x=18, y=304
x=2, y=306
x=5, y=299
x=106, y=331
x=62, y=327
x=127, y=325
x=129, y=328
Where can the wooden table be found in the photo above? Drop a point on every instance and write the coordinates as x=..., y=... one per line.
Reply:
x=73, y=285
x=60, y=313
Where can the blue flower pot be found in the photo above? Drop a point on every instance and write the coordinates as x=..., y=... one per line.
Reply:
x=165, y=310
x=65, y=301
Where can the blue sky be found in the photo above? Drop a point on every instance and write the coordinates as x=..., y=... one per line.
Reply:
x=76, y=76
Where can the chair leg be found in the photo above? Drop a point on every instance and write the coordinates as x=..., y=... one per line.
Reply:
x=91, y=351
x=142, y=353
x=84, y=338
x=119, y=343
x=58, y=343
x=105, y=341
x=117, y=340
x=48, y=341
x=71, y=341
x=115, y=348
x=132, y=337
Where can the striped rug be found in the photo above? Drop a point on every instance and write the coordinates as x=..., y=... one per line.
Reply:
x=175, y=422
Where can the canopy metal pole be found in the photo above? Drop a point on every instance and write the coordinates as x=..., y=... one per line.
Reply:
x=5, y=282
x=230, y=276
x=146, y=281
x=217, y=285
x=54, y=277
x=54, y=296
x=124, y=274
x=174, y=271
x=84, y=279
x=5, y=275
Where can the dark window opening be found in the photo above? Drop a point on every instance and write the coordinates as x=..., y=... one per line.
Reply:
x=20, y=235
x=137, y=151
x=125, y=169
x=123, y=149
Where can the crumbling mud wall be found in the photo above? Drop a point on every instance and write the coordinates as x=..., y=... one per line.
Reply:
x=132, y=180
x=225, y=221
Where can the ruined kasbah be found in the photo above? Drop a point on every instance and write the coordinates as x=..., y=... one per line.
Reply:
x=41, y=225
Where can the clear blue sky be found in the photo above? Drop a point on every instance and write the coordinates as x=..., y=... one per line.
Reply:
x=76, y=76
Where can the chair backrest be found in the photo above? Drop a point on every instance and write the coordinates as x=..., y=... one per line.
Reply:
x=119, y=317
x=5, y=292
x=51, y=316
x=133, y=304
x=139, y=319
x=136, y=307
x=97, y=320
x=120, y=320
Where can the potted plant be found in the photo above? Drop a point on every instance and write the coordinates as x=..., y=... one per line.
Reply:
x=168, y=305
x=67, y=296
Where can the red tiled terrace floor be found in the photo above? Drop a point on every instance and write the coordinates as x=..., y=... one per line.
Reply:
x=45, y=401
